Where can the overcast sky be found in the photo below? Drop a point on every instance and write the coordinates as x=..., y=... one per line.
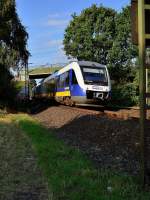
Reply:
x=46, y=20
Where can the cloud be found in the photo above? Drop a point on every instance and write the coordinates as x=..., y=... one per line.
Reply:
x=48, y=46
x=60, y=57
x=58, y=19
x=55, y=43
x=60, y=15
x=57, y=22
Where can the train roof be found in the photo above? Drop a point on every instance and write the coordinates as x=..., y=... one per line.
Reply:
x=90, y=64
x=80, y=63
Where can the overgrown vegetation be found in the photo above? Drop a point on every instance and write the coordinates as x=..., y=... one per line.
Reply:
x=70, y=175
x=124, y=95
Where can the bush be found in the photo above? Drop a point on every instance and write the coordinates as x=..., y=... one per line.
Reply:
x=7, y=89
x=19, y=85
x=124, y=95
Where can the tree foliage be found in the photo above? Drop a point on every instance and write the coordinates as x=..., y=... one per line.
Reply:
x=13, y=36
x=121, y=62
x=103, y=35
x=13, y=42
x=90, y=35
x=121, y=55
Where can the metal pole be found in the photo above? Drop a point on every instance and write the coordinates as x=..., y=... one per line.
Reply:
x=25, y=81
x=28, y=94
x=141, y=30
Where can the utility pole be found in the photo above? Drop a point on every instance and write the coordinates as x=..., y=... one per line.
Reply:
x=140, y=13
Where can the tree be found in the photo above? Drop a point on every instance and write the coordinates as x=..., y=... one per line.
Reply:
x=13, y=36
x=103, y=35
x=123, y=52
x=13, y=42
x=90, y=35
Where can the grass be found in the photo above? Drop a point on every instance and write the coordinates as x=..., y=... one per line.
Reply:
x=70, y=175
x=20, y=176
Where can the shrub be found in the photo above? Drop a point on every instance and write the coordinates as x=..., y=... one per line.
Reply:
x=124, y=95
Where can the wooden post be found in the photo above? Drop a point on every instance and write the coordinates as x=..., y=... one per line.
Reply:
x=141, y=36
x=141, y=42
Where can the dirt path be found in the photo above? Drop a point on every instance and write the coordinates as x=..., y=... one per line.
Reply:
x=20, y=177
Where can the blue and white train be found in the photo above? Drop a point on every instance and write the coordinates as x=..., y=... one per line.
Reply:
x=81, y=82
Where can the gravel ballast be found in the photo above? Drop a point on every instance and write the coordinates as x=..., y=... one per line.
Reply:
x=108, y=142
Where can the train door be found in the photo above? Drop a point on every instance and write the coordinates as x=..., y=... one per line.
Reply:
x=67, y=81
x=73, y=83
x=78, y=95
x=58, y=89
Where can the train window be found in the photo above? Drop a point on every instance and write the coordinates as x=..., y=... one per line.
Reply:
x=67, y=79
x=94, y=75
x=74, y=79
x=51, y=85
x=58, y=82
x=62, y=81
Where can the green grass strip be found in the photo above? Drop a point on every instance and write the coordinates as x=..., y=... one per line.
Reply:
x=71, y=175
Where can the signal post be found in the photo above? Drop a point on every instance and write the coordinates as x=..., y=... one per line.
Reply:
x=140, y=13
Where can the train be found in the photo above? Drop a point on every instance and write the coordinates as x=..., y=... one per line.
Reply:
x=80, y=82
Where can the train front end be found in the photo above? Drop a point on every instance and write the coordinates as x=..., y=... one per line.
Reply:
x=97, y=84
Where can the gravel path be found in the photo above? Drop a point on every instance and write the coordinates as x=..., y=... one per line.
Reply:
x=109, y=142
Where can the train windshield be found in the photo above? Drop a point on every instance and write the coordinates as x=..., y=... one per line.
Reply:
x=94, y=75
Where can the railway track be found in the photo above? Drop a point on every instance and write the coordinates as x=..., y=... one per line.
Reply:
x=98, y=111
x=113, y=112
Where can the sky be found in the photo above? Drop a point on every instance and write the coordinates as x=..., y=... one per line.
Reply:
x=45, y=22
